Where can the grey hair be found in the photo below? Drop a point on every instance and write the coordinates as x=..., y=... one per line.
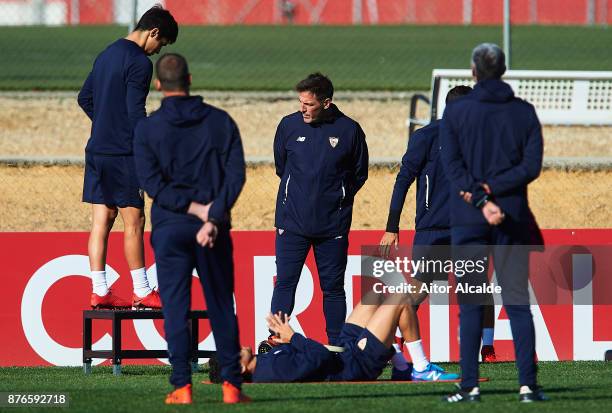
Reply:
x=489, y=61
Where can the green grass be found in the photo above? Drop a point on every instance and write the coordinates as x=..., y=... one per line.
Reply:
x=275, y=58
x=572, y=386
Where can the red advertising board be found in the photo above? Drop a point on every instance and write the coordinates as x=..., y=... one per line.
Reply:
x=46, y=285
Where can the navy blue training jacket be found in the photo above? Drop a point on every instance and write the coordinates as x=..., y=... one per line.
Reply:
x=494, y=137
x=189, y=151
x=322, y=165
x=422, y=162
x=300, y=360
x=114, y=96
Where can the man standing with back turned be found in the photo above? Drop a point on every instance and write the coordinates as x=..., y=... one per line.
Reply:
x=189, y=159
x=114, y=96
x=491, y=150
x=321, y=157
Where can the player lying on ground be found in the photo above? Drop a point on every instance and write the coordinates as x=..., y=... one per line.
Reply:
x=367, y=340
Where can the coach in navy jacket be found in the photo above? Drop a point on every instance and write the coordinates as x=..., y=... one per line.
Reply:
x=189, y=159
x=321, y=157
x=492, y=149
x=322, y=165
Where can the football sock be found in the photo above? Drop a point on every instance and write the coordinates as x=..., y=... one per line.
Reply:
x=417, y=354
x=398, y=360
x=141, y=284
x=487, y=336
x=98, y=283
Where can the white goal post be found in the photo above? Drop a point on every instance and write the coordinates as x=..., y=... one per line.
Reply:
x=560, y=97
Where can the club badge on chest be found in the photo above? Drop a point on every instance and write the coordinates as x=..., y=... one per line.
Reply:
x=333, y=141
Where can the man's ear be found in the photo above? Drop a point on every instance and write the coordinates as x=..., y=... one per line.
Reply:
x=157, y=85
x=327, y=103
x=189, y=79
x=154, y=33
x=474, y=72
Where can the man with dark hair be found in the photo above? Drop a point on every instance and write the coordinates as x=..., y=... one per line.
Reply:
x=421, y=162
x=321, y=157
x=365, y=346
x=189, y=159
x=114, y=96
x=491, y=150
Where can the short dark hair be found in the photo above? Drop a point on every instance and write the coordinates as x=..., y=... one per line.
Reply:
x=489, y=61
x=172, y=72
x=317, y=84
x=159, y=18
x=214, y=372
x=457, y=92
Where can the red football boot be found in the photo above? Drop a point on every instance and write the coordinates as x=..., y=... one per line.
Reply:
x=182, y=395
x=233, y=395
x=151, y=300
x=488, y=354
x=109, y=301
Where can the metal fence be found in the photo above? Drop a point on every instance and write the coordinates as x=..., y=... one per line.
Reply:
x=46, y=196
x=270, y=44
x=379, y=50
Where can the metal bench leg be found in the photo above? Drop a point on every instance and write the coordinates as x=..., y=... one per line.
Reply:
x=117, y=367
x=87, y=366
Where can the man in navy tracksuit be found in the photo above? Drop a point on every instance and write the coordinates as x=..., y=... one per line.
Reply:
x=421, y=162
x=492, y=149
x=366, y=343
x=321, y=157
x=189, y=159
x=114, y=96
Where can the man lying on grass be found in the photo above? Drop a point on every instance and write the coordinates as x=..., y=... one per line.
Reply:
x=366, y=344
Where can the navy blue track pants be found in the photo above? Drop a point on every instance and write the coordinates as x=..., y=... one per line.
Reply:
x=511, y=261
x=177, y=254
x=331, y=257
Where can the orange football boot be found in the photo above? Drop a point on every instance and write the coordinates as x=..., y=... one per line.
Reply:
x=109, y=301
x=182, y=395
x=151, y=300
x=233, y=395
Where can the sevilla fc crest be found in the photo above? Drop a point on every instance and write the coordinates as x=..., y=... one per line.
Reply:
x=333, y=141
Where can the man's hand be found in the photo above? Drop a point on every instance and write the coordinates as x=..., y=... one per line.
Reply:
x=280, y=325
x=467, y=196
x=388, y=239
x=199, y=210
x=207, y=235
x=493, y=213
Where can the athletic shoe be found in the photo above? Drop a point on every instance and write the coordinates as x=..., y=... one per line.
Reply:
x=433, y=372
x=233, y=395
x=463, y=396
x=530, y=394
x=151, y=300
x=182, y=395
x=488, y=354
x=402, y=375
x=109, y=301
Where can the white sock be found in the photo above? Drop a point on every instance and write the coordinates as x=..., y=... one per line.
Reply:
x=398, y=360
x=98, y=283
x=417, y=354
x=141, y=284
x=487, y=336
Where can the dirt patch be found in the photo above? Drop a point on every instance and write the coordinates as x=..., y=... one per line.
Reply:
x=55, y=126
x=41, y=198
